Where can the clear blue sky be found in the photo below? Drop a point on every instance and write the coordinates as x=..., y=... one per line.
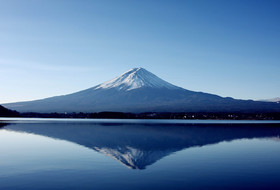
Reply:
x=229, y=48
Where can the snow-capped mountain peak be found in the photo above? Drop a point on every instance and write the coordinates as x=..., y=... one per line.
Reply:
x=136, y=78
x=138, y=91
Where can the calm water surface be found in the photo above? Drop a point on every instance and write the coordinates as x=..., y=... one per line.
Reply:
x=139, y=154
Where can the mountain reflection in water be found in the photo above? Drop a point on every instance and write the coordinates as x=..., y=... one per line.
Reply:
x=140, y=145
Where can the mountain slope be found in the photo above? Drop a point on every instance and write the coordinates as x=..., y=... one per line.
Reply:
x=138, y=90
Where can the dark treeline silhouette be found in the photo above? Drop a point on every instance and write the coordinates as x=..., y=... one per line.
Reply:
x=4, y=112
x=158, y=115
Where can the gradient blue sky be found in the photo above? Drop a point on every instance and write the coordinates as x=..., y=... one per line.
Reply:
x=229, y=48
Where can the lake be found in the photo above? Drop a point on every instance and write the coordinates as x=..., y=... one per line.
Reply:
x=139, y=154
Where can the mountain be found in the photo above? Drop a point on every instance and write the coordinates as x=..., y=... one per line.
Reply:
x=137, y=145
x=4, y=112
x=138, y=90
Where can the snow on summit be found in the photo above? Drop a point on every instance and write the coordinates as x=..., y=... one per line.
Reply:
x=136, y=78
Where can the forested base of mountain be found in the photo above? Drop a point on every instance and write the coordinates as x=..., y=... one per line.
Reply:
x=156, y=115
